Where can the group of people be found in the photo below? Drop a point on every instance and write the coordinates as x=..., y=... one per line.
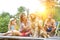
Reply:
x=32, y=26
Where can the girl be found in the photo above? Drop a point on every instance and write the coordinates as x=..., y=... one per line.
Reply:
x=12, y=24
x=11, y=27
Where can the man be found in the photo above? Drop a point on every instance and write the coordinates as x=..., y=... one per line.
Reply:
x=50, y=24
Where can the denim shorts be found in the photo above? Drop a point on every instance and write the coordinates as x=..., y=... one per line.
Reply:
x=49, y=29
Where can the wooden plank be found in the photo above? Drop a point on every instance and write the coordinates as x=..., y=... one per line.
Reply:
x=18, y=37
x=27, y=38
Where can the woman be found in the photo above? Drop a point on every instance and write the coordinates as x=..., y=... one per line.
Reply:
x=34, y=26
x=39, y=27
x=24, y=27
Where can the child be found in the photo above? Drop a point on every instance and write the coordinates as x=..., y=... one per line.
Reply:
x=11, y=26
x=50, y=25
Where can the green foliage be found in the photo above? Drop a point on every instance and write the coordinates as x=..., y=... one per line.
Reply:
x=4, y=14
x=57, y=13
x=4, y=20
x=21, y=9
x=5, y=17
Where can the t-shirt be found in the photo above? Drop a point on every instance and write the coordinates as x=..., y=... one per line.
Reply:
x=22, y=25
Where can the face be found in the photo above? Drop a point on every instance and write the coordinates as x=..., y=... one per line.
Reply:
x=49, y=17
x=25, y=19
x=22, y=17
x=32, y=17
x=14, y=21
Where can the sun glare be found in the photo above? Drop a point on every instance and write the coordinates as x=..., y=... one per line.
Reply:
x=42, y=9
x=11, y=7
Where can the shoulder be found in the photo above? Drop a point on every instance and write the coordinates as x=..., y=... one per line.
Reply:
x=46, y=20
x=53, y=20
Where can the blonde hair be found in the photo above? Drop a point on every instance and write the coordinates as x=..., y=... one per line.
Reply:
x=12, y=19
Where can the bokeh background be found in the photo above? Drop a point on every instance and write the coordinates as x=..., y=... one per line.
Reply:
x=51, y=6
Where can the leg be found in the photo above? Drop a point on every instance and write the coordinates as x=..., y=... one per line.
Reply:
x=16, y=33
x=53, y=30
x=7, y=33
x=45, y=28
x=36, y=32
x=44, y=34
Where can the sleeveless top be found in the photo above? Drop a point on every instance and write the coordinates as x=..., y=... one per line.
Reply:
x=12, y=27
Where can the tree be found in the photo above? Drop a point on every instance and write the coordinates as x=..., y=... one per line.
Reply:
x=4, y=20
x=21, y=9
x=4, y=14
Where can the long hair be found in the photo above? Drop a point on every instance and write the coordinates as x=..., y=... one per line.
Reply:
x=32, y=17
x=23, y=18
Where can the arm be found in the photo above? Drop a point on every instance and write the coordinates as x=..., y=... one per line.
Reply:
x=15, y=26
x=42, y=28
x=45, y=24
x=54, y=24
x=8, y=26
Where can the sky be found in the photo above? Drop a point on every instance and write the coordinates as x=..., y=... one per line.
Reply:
x=12, y=5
